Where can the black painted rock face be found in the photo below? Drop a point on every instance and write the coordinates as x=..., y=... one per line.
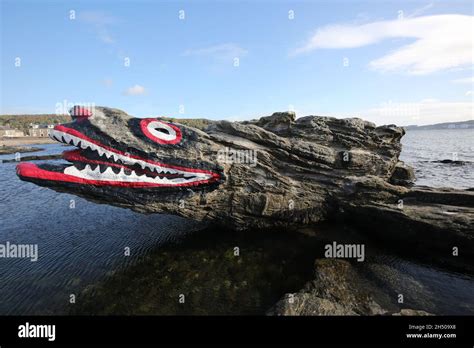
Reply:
x=119, y=157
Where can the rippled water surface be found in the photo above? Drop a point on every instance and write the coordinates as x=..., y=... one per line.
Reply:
x=424, y=149
x=76, y=245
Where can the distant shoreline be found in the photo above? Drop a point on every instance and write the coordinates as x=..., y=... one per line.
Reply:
x=446, y=125
x=25, y=141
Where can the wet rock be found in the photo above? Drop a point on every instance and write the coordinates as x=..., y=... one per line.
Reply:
x=338, y=289
x=453, y=162
x=411, y=312
x=420, y=220
x=31, y=158
x=7, y=150
x=402, y=175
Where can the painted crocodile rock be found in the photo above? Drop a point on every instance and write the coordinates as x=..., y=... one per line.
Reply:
x=274, y=171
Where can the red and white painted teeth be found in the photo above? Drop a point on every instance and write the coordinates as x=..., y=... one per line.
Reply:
x=72, y=137
x=109, y=175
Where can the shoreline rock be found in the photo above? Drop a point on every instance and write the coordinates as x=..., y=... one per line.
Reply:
x=8, y=150
x=32, y=158
x=338, y=289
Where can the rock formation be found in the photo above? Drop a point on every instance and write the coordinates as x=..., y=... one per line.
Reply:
x=338, y=289
x=275, y=171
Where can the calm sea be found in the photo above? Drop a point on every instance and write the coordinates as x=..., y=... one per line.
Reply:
x=425, y=149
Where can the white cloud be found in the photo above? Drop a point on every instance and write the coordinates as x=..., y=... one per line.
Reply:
x=223, y=51
x=464, y=80
x=427, y=111
x=105, y=36
x=468, y=93
x=441, y=42
x=107, y=82
x=135, y=90
x=96, y=17
x=420, y=10
x=100, y=21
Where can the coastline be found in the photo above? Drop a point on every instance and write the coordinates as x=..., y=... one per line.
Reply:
x=25, y=141
x=10, y=146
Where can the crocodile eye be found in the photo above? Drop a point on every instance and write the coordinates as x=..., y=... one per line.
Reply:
x=160, y=132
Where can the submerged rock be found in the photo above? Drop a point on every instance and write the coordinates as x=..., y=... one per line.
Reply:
x=338, y=289
x=411, y=312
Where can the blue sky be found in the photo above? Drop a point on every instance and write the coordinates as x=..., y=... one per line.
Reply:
x=404, y=62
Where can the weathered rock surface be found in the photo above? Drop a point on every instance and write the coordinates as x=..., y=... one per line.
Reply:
x=402, y=175
x=411, y=312
x=338, y=289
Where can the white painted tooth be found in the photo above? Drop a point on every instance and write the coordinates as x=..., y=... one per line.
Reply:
x=72, y=171
x=158, y=179
x=108, y=172
x=52, y=134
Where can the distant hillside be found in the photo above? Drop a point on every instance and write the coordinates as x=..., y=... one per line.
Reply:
x=199, y=123
x=22, y=122
x=446, y=125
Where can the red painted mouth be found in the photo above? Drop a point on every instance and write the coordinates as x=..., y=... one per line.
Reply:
x=97, y=164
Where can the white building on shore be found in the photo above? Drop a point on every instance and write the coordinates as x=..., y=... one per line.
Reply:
x=8, y=132
x=40, y=130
